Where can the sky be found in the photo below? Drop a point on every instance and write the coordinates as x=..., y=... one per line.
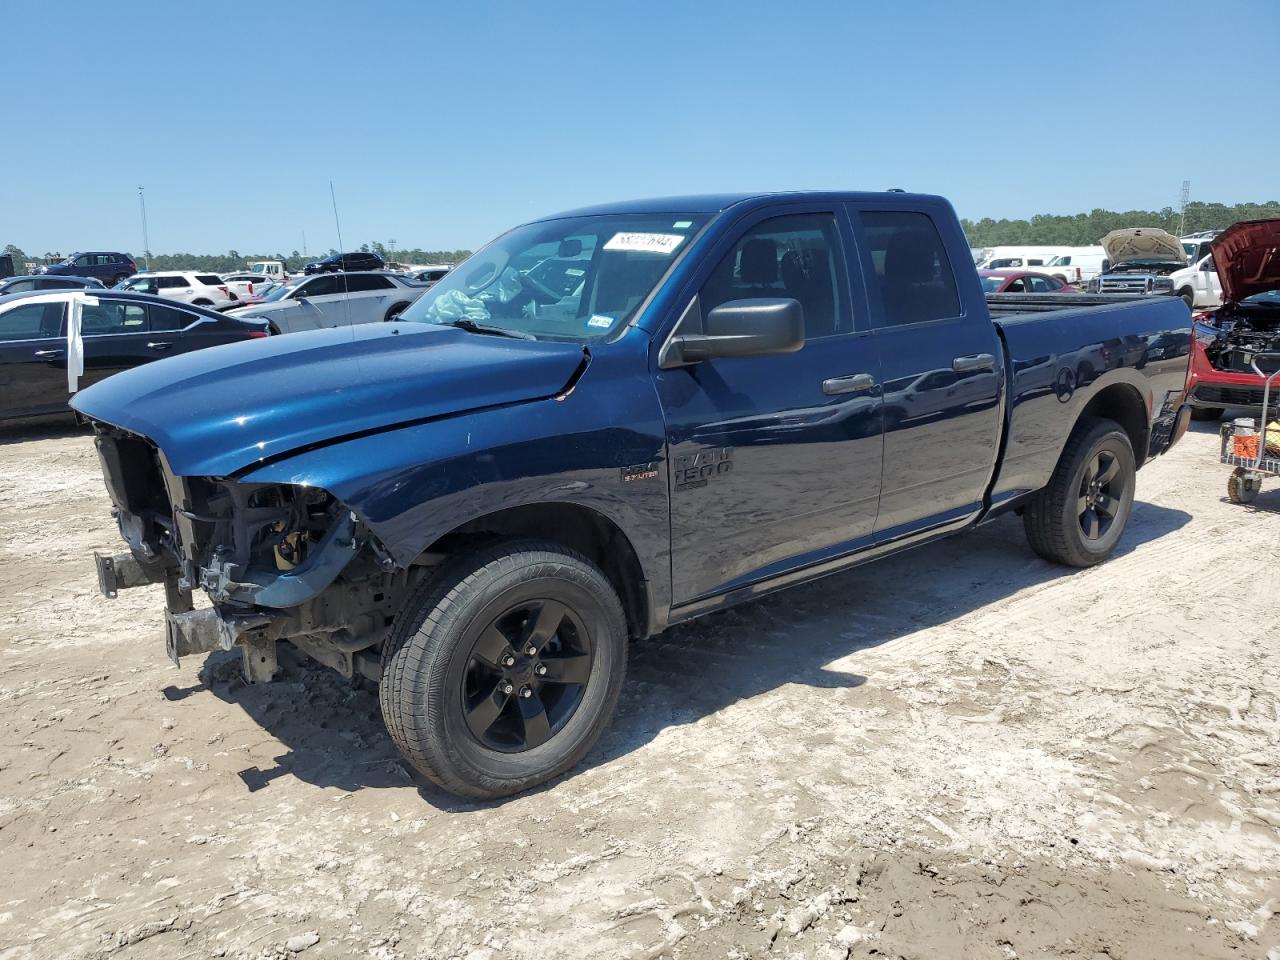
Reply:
x=442, y=125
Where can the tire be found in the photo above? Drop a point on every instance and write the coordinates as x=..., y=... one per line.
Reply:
x=1189, y=298
x=395, y=310
x=120, y=278
x=202, y=302
x=1241, y=488
x=1068, y=521
x=443, y=677
x=1206, y=413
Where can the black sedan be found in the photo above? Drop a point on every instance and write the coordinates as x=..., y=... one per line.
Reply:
x=118, y=330
x=42, y=283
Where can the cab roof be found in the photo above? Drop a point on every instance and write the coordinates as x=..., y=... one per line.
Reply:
x=703, y=204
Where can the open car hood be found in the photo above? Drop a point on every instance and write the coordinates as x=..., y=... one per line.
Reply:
x=1247, y=256
x=1142, y=243
x=218, y=411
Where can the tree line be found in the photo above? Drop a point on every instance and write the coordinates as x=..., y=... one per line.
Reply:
x=1074, y=230
x=1086, y=229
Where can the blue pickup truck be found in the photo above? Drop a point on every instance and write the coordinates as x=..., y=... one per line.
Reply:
x=608, y=422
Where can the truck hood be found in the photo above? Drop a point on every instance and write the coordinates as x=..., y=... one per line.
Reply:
x=1142, y=243
x=1248, y=259
x=218, y=411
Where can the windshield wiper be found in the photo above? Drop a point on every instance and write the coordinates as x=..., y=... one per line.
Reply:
x=473, y=326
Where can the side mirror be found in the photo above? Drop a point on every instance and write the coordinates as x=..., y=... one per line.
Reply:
x=742, y=328
x=1209, y=267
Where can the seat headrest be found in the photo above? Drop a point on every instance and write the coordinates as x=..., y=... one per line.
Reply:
x=759, y=263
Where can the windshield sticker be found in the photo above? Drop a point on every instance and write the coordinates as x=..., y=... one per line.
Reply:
x=600, y=322
x=682, y=225
x=662, y=243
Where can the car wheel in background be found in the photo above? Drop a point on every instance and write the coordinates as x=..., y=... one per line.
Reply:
x=202, y=302
x=502, y=671
x=1188, y=297
x=1241, y=487
x=395, y=310
x=1079, y=517
x=119, y=278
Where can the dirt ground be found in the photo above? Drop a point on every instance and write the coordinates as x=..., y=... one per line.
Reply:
x=959, y=752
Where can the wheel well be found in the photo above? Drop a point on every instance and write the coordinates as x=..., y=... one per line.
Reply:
x=1122, y=403
x=202, y=302
x=580, y=528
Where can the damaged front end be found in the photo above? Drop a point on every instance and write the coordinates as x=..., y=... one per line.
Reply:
x=1244, y=331
x=277, y=561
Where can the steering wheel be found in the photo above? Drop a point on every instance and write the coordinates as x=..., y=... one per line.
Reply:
x=538, y=288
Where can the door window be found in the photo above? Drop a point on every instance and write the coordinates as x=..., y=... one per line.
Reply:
x=19, y=286
x=1041, y=285
x=102, y=259
x=170, y=283
x=912, y=270
x=321, y=286
x=796, y=257
x=110, y=317
x=31, y=321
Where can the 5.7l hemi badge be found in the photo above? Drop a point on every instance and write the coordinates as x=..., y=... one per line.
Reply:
x=640, y=471
x=696, y=469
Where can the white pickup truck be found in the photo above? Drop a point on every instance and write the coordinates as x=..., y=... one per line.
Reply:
x=1198, y=285
x=276, y=270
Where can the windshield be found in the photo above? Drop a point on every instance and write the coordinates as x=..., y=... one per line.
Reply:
x=282, y=291
x=573, y=279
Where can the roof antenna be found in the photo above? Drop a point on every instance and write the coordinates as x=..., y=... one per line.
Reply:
x=346, y=287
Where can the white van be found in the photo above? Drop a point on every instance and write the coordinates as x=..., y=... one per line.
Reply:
x=1076, y=264
x=1032, y=258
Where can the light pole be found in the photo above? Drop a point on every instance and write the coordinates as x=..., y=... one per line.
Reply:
x=146, y=243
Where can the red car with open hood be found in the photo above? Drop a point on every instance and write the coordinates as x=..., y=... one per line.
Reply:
x=1221, y=376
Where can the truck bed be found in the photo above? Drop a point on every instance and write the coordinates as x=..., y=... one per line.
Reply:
x=1008, y=304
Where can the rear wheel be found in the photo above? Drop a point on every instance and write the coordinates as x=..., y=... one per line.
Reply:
x=1241, y=487
x=1080, y=516
x=1206, y=413
x=395, y=310
x=503, y=670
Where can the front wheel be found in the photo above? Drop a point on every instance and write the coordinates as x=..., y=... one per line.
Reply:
x=395, y=310
x=1079, y=517
x=1189, y=298
x=503, y=670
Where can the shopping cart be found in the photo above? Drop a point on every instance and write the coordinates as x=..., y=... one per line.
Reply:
x=1245, y=443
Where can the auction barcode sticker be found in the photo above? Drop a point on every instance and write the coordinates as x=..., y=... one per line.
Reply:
x=663, y=243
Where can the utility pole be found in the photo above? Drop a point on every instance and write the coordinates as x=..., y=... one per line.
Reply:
x=304, y=244
x=1182, y=209
x=146, y=242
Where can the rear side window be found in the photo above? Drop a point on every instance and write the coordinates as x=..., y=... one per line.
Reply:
x=319, y=287
x=796, y=257
x=359, y=283
x=21, y=286
x=209, y=280
x=110, y=317
x=164, y=318
x=170, y=283
x=31, y=321
x=911, y=267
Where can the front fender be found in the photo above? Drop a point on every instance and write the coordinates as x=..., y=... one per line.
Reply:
x=412, y=485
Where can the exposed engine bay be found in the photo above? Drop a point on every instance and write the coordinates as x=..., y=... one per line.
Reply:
x=1245, y=330
x=278, y=561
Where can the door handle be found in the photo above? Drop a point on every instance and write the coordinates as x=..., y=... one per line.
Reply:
x=971, y=364
x=159, y=345
x=48, y=354
x=850, y=384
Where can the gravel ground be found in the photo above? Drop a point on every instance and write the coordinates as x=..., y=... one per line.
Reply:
x=959, y=752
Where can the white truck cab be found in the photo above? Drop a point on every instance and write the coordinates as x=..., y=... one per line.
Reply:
x=1198, y=285
x=275, y=269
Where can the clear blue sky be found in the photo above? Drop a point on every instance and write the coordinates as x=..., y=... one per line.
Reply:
x=441, y=125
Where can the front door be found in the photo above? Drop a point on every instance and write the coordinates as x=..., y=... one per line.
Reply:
x=942, y=372
x=774, y=462
x=33, y=359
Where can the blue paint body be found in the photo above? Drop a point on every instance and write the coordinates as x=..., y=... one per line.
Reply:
x=419, y=430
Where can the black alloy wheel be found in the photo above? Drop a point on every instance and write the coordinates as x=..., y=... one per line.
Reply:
x=1101, y=493
x=526, y=675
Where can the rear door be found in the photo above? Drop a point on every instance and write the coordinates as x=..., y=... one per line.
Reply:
x=369, y=297
x=941, y=366
x=33, y=359
x=774, y=461
x=116, y=337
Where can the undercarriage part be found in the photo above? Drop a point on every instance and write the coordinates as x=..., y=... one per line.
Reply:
x=120, y=571
x=258, y=658
x=191, y=632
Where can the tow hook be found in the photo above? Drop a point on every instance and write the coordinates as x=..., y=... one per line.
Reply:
x=202, y=631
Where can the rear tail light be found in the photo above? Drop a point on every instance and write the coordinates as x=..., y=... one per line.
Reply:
x=225, y=292
x=258, y=334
